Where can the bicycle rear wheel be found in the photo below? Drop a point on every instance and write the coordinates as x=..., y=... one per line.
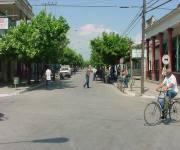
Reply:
x=152, y=113
x=175, y=111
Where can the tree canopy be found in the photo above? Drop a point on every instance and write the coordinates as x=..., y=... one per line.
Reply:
x=42, y=39
x=109, y=48
x=71, y=57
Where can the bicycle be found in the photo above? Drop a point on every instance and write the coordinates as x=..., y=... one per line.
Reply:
x=153, y=111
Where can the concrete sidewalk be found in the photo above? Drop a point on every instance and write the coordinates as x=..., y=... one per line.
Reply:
x=149, y=86
x=11, y=90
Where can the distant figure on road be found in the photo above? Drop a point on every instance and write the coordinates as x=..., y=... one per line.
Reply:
x=88, y=72
x=48, y=74
x=94, y=73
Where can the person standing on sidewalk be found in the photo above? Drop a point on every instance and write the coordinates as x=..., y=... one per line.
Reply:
x=88, y=72
x=48, y=74
x=125, y=77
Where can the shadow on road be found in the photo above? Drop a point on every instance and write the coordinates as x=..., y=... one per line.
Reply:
x=49, y=140
x=58, y=84
x=2, y=117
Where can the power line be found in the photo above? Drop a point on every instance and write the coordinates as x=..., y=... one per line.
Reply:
x=137, y=18
x=133, y=21
x=134, y=25
x=153, y=4
x=158, y=6
x=150, y=2
x=88, y=6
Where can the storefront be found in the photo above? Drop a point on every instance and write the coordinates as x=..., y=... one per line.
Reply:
x=11, y=11
x=163, y=37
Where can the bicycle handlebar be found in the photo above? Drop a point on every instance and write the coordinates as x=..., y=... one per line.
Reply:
x=161, y=91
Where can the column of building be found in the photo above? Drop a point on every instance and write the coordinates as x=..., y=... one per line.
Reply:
x=153, y=57
x=170, y=48
x=160, y=37
x=147, y=58
x=153, y=45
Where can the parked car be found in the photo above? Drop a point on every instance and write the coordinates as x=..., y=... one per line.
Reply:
x=65, y=71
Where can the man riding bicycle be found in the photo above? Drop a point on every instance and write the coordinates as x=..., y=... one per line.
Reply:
x=169, y=85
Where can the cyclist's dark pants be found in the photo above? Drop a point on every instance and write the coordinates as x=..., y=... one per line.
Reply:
x=171, y=94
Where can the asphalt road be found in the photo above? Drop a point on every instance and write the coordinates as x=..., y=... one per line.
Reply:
x=69, y=117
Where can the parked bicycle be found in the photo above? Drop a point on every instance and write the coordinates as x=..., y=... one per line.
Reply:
x=154, y=111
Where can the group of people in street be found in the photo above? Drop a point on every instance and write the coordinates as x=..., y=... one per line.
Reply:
x=169, y=84
x=105, y=74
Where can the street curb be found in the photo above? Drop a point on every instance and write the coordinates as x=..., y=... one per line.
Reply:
x=22, y=91
x=132, y=94
x=6, y=95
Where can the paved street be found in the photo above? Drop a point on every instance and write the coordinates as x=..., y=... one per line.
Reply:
x=69, y=117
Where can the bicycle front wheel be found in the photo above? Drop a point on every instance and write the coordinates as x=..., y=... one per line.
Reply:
x=152, y=114
x=175, y=111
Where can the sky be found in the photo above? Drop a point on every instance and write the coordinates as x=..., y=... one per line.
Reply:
x=88, y=23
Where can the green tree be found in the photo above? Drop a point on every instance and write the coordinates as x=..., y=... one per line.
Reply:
x=43, y=39
x=53, y=37
x=71, y=57
x=109, y=48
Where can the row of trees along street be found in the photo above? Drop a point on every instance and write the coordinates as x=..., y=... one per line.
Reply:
x=41, y=40
x=108, y=48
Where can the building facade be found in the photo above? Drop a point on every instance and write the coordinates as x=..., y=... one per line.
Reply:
x=163, y=37
x=14, y=10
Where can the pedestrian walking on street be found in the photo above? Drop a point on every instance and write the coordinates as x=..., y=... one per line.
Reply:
x=125, y=77
x=88, y=72
x=48, y=74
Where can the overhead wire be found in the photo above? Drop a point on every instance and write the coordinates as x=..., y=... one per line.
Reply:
x=133, y=26
x=151, y=5
x=150, y=2
x=158, y=6
x=133, y=21
x=89, y=6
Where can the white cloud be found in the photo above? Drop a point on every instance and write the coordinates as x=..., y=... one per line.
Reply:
x=89, y=29
x=80, y=38
x=137, y=38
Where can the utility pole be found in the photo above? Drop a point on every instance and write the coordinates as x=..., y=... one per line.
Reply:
x=143, y=46
x=49, y=4
x=131, y=64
